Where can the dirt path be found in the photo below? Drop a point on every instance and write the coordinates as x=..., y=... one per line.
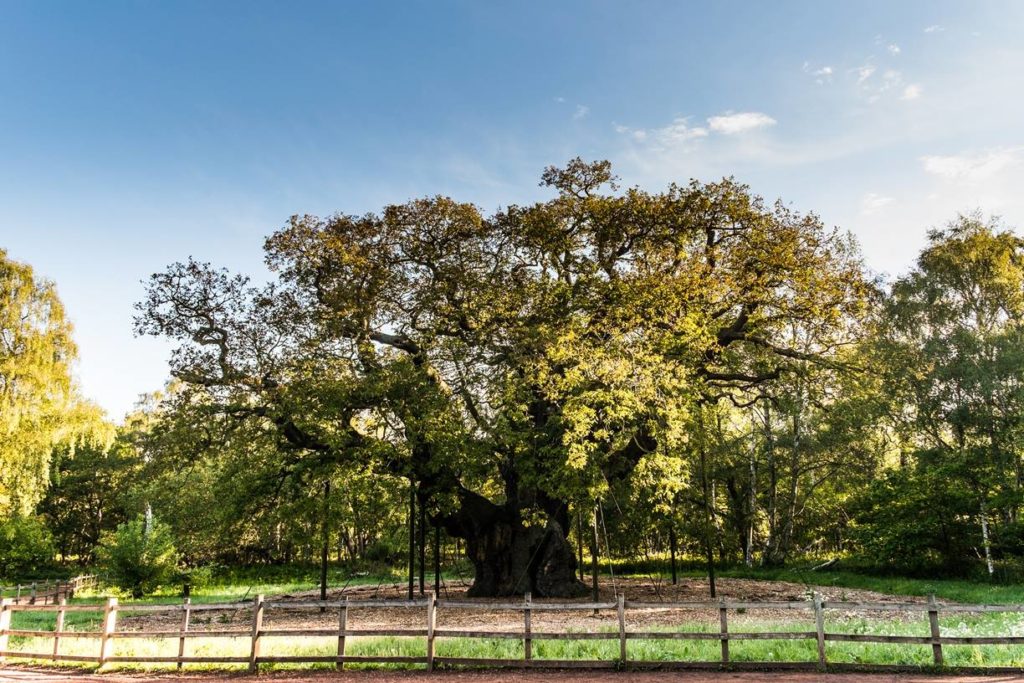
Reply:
x=27, y=675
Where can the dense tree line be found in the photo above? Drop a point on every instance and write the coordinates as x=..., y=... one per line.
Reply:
x=691, y=372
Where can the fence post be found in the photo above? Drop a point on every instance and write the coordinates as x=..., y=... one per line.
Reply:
x=723, y=630
x=933, y=620
x=620, y=607
x=32, y=595
x=819, y=627
x=17, y=596
x=186, y=608
x=527, y=637
x=342, y=627
x=5, y=624
x=431, y=620
x=257, y=626
x=109, y=626
x=58, y=628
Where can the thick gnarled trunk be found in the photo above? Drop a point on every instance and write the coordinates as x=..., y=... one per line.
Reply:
x=511, y=558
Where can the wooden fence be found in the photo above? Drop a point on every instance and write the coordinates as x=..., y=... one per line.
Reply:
x=48, y=592
x=256, y=634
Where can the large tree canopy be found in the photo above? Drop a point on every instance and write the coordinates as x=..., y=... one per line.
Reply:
x=513, y=365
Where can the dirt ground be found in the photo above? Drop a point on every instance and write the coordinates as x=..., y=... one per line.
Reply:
x=644, y=590
x=29, y=675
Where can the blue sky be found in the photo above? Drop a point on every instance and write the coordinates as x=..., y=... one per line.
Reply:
x=133, y=134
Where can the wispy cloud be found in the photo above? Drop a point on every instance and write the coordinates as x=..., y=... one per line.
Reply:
x=740, y=122
x=973, y=166
x=681, y=136
x=674, y=135
x=894, y=49
x=864, y=73
x=911, y=92
x=872, y=202
x=821, y=75
x=874, y=86
x=934, y=28
x=890, y=79
x=581, y=112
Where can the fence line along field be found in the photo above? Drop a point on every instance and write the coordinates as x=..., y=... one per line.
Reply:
x=454, y=631
x=47, y=592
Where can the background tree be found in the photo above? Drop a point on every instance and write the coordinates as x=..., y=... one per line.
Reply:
x=952, y=345
x=38, y=405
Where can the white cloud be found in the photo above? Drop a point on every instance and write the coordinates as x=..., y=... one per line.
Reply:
x=890, y=79
x=973, y=167
x=873, y=86
x=911, y=92
x=581, y=111
x=679, y=131
x=560, y=100
x=934, y=28
x=741, y=122
x=864, y=73
x=822, y=75
x=673, y=135
x=894, y=49
x=873, y=202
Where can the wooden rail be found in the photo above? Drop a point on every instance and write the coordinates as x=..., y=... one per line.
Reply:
x=255, y=634
x=48, y=592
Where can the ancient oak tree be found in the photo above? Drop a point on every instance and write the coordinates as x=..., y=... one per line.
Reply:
x=510, y=366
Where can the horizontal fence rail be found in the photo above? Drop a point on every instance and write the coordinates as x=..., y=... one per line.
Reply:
x=255, y=634
x=48, y=592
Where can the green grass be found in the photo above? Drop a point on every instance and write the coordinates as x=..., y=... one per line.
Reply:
x=645, y=650
x=236, y=586
x=956, y=590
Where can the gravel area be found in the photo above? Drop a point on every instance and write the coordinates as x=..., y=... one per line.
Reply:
x=644, y=590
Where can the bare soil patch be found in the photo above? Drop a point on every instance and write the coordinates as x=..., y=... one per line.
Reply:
x=688, y=590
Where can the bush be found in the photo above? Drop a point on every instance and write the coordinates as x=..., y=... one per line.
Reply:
x=200, y=576
x=384, y=551
x=137, y=560
x=917, y=522
x=26, y=547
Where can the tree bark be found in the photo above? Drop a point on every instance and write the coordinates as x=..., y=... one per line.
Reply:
x=325, y=539
x=509, y=557
x=709, y=549
x=673, y=548
x=412, y=537
x=423, y=547
x=594, y=560
x=437, y=559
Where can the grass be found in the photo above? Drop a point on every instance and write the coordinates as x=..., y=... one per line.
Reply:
x=956, y=590
x=236, y=586
x=653, y=650
x=606, y=650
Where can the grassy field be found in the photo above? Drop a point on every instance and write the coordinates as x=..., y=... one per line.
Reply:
x=971, y=592
x=647, y=650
